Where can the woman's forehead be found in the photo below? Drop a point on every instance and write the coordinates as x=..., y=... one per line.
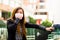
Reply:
x=20, y=10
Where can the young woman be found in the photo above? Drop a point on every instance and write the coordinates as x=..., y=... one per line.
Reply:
x=16, y=25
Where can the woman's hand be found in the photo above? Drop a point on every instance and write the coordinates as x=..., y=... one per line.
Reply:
x=49, y=28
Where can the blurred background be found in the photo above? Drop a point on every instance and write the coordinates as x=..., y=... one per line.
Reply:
x=36, y=11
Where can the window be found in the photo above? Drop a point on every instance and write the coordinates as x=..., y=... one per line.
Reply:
x=40, y=13
x=32, y=1
x=6, y=2
x=18, y=1
x=42, y=0
x=17, y=4
x=6, y=15
x=42, y=6
x=12, y=3
x=0, y=1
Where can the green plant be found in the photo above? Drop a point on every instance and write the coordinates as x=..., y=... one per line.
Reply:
x=47, y=23
x=31, y=31
x=32, y=20
x=2, y=24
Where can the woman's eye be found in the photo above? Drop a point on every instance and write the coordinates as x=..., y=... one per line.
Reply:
x=20, y=12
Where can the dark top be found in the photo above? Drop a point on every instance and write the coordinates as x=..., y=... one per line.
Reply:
x=19, y=36
x=11, y=27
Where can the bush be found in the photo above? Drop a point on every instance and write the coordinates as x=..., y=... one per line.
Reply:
x=2, y=24
x=47, y=23
x=32, y=20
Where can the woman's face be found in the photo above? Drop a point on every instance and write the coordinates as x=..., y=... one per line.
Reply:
x=19, y=14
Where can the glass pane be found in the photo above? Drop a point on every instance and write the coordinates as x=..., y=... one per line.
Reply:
x=3, y=25
x=12, y=3
x=6, y=2
x=19, y=1
x=17, y=5
x=32, y=1
x=30, y=31
x=0, y=1
x=42, y=0
x=3, y=33
x=6, y=15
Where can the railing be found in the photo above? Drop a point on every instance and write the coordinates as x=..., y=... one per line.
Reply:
x=54, y=35
x=30, y=37
x=4, y=34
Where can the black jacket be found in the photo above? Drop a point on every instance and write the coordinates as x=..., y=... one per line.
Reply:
x=11, y=27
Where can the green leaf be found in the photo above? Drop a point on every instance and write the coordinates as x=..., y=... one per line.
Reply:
x=47, y=23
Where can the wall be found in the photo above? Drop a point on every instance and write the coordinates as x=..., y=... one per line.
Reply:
x=53, y=9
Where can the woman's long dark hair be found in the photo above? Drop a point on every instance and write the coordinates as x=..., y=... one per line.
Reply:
x=22, y=23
